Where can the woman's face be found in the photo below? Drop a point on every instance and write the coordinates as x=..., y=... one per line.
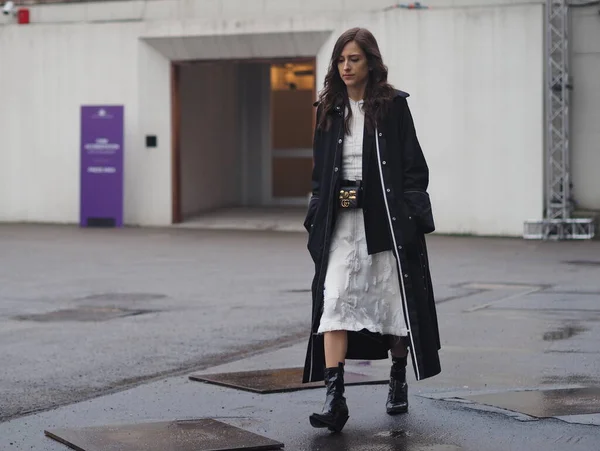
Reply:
x=352, y=66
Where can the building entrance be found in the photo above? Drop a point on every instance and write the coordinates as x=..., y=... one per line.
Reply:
x=242, y=134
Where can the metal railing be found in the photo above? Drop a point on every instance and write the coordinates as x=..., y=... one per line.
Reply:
x=558, y=223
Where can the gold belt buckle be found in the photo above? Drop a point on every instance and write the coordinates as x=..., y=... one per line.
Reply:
x=347, y=198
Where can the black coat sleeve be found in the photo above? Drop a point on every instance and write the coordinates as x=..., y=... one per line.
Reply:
x=415, y=173
x=316, y=175
x=316, y=172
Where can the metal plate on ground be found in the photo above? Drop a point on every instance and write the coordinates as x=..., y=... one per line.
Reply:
x=82, y=314
x=123, y=297
x=590, y=263
x=187, y=435
x=545, y=403
x=276, y=380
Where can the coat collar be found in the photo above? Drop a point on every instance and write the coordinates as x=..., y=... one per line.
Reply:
x=338, y=106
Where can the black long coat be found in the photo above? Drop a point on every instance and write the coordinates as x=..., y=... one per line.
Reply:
x=396, y=220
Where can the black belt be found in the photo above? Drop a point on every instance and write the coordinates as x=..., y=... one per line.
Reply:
x=351, y=194
x=356, y=183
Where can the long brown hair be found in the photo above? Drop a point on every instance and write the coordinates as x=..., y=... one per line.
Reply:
x=378, y=94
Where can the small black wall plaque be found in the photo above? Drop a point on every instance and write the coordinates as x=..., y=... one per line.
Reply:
x=151, y=141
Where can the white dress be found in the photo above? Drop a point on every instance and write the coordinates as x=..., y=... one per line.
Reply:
x=362, y=291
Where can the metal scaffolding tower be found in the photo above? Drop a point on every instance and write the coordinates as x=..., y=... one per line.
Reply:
x=557, y=223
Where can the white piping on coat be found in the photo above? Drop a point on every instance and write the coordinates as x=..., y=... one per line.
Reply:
x=400, y=275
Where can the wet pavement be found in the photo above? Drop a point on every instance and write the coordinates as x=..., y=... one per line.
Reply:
x=103, y=327
x=545, y=403
x=431, y=424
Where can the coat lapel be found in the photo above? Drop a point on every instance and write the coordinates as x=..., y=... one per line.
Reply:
x=368, y=145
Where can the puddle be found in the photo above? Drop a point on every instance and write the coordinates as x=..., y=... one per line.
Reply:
x=545, y=403
x=81, y=314
x=498, y=286
x=581, y=379
x=343, y=445
x=439, y=448
x=563, y=333
x=123, y=297
x=393, y=434
x=394, y=439
x=590, y=263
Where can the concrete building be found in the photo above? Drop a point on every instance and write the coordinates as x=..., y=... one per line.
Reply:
x=227, y=85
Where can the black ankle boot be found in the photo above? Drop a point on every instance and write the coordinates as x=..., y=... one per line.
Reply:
x=397, y=401
x=335, y=410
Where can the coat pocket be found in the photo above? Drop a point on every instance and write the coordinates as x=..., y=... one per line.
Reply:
x=310, y=214
x=314, y=246
x=419, y=206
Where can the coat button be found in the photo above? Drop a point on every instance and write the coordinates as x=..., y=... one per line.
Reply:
x=394, y=218
x=383, y=162
x=405, y=275
x=335, y=169
x=388, y=190
x=340, y=141
x=380, y=134
x=400, y=247
x=410, y=217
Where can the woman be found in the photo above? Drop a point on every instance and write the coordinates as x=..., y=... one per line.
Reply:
x=366, y=220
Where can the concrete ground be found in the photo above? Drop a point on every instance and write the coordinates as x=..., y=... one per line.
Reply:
x=280, y=219
x=514, y=315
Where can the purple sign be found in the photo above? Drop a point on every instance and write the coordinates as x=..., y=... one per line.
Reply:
x=101, y=166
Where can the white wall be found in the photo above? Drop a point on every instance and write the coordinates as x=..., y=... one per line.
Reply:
x=51, y=72
x=245, y=10
x=585, y=108
x=254, y=117
x=476, y=84
x=209, y=137
x=475, y=75
x=148, y=181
